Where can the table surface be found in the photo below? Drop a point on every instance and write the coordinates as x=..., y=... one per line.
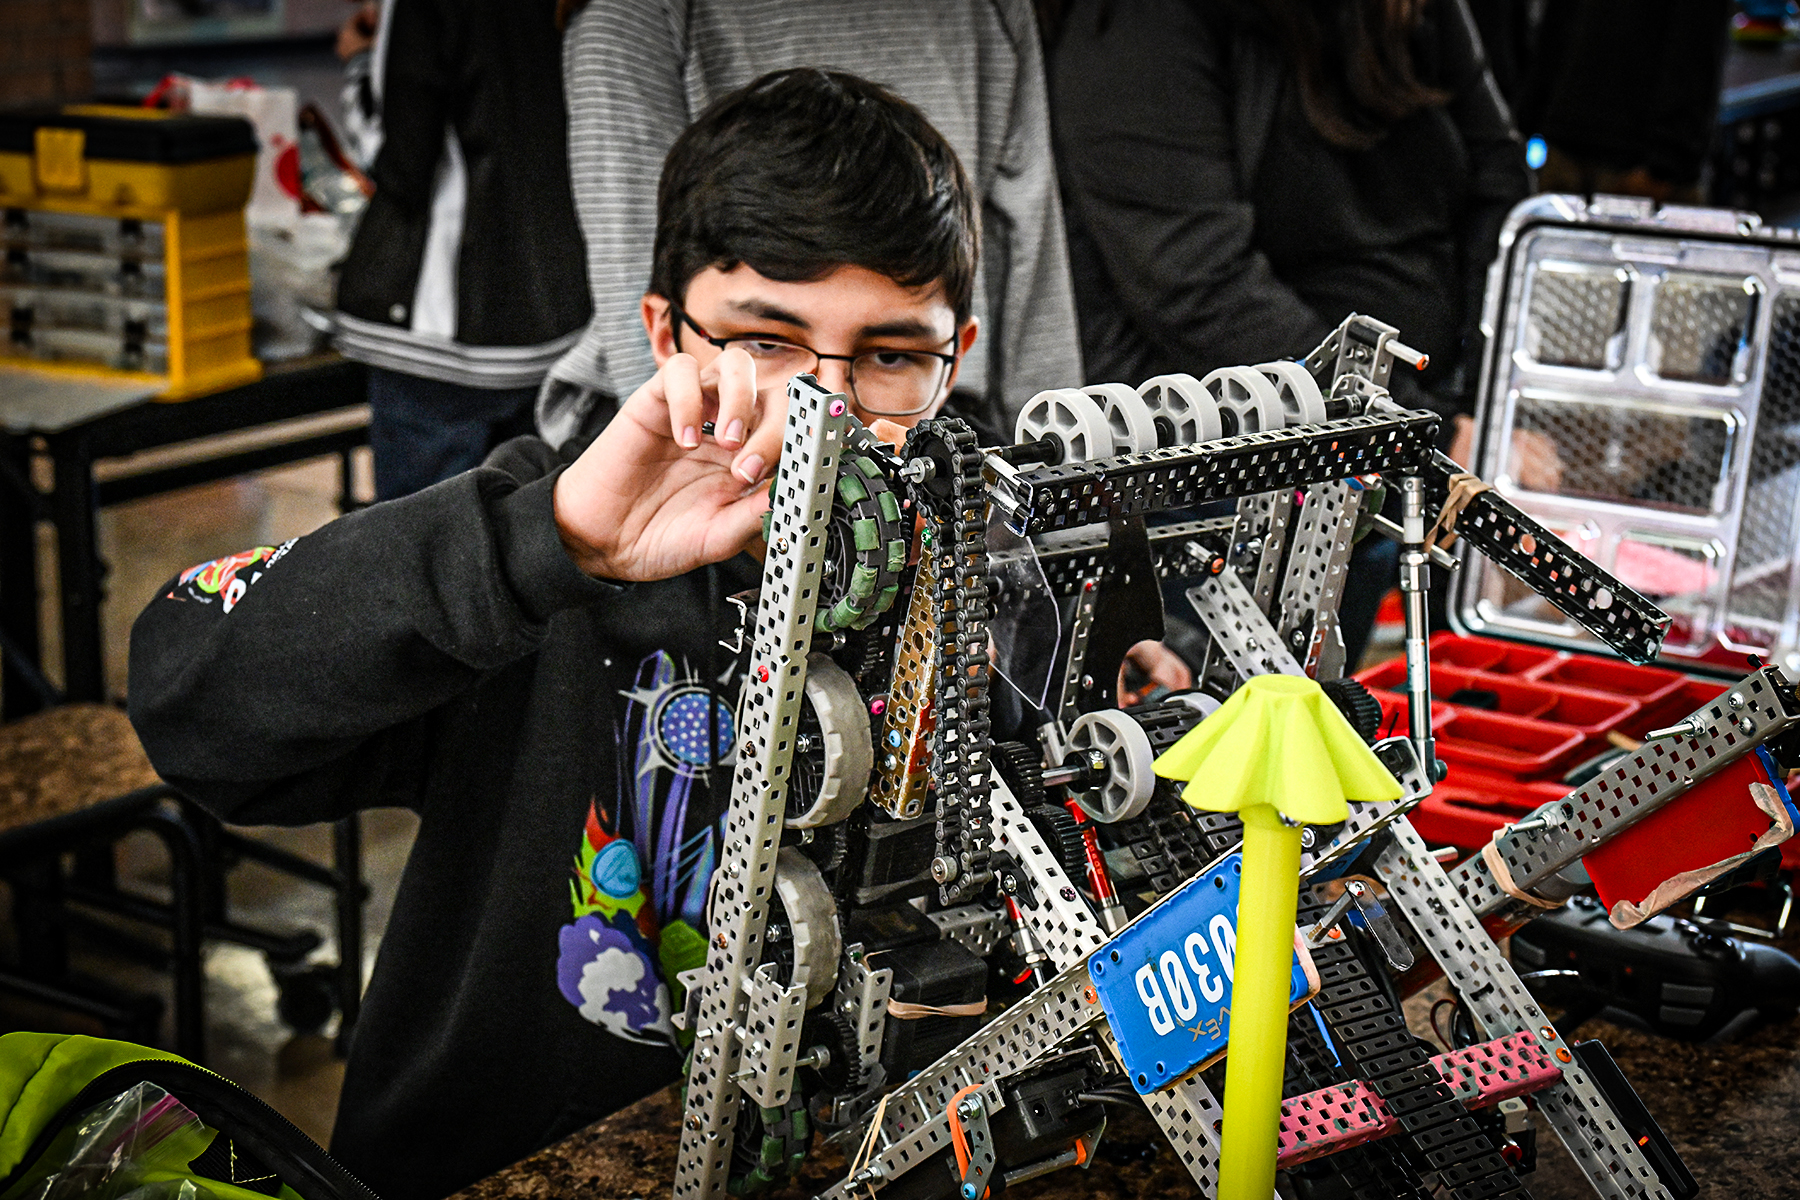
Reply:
x=1729, y=1109
x=50, y=402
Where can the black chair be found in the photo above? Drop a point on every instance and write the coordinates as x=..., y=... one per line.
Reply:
x=73, y=781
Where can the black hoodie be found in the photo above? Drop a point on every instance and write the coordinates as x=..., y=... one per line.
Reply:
x=441, y=652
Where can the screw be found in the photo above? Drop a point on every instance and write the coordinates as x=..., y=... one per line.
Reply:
x=1735, y=700
x=719, y=941
x=1068, y=893
x=1746, y=725
x=781, y=545
x=969, y=1191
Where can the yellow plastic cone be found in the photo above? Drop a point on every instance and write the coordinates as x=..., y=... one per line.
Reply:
x=1281, y=755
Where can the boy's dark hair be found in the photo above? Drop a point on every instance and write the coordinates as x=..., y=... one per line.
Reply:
x=806, y=170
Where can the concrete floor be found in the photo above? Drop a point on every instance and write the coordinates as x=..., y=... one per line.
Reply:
x=145, y=543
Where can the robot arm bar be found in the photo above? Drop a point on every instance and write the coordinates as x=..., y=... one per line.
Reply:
x=1659, y=772
x=1128, y=485
x=1629, y=624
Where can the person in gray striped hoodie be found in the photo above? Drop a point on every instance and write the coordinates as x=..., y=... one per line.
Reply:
x=636, y=72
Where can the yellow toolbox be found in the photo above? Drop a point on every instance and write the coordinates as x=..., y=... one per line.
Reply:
x=123, y=231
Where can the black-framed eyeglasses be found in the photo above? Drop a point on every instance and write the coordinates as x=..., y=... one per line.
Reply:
x=886, y=381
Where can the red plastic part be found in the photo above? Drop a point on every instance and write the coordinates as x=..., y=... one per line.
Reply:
x=1553, y=711
x=1337, y=1118
x=1646, y=685
x=1713, y=821
x=1486, y=654
x=1511, y=744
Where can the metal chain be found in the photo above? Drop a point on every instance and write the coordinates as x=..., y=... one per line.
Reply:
x=956, y=535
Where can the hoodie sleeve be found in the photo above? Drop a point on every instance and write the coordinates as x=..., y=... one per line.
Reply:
x=297, y=683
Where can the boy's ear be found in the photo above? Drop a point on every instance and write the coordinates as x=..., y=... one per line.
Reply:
x=659, y=326
x=965, y=341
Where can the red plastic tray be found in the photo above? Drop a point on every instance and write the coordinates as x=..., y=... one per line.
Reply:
x=1396, y=713
x=1645, y=685
x=1469, y=805
x=1486, y=654
x=1691, y=695
x=1514, y=745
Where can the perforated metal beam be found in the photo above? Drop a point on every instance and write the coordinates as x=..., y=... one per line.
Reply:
x=1131, y=485
x=1494, y=996
x=1590, y=596
x=768, y=716
x=1655, y=775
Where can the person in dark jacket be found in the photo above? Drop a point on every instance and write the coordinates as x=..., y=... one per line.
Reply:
x=1626, y=95
x=465, y=282
x=473, y=651
x=1240, y=175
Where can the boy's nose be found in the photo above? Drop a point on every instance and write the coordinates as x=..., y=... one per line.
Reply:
x=834, y=375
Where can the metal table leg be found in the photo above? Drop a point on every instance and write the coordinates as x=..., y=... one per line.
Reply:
x=79, y=566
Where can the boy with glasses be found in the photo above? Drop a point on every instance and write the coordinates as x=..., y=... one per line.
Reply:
x=527, y=654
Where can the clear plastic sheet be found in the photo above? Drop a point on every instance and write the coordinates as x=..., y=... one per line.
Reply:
x=1026, y=628
x=135, y=1146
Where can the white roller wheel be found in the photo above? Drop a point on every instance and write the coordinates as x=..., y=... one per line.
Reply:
x=1183, y=411
x=1131, y=777
x=1133, y=429
x=812, y=915
x=1301, y=403
x=1200, y=702
x=1246, y=398
x=849, y=752
x=1072, y=418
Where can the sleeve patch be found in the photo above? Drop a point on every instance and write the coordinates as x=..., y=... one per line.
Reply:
x=227, y=579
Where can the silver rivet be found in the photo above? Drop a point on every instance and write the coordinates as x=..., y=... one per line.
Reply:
x=397, y=312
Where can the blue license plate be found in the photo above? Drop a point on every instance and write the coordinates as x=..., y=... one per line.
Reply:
x=1165, y=982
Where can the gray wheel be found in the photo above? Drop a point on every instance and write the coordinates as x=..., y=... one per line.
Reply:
x=1298, y=391
x=1072, y=418
x=1183, y=411
x=839, y=753
x=1131, y=778
x=1248, y=402
x=1133, y=429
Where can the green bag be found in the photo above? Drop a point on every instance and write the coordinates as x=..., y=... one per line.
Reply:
x=87, y=1116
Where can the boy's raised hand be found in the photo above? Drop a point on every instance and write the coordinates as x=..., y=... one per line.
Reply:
x=652, y=497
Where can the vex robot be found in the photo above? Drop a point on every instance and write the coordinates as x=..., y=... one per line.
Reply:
x=925, y=941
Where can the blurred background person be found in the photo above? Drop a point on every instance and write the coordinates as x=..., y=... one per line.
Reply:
x=637, y=72
x=1625, y=94
x=464, y=283
x=1240, y=175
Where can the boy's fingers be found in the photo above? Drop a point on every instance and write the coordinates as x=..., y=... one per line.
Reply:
x=736, y=384
x=741, y=520
x=764, y=446
x=683, y=394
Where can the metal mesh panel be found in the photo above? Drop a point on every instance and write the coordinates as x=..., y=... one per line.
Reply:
x=1763, y=583
x=1671, y=459
x=1577, y=316
x=1700, y=327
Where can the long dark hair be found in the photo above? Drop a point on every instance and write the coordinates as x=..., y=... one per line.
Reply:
x=1353, y=63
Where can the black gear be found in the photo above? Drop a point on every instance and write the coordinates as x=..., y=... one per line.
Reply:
x=835, y=1032
x=1359, y=707
x=1063, y=835
x=828, y=847
x=1018, y=766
